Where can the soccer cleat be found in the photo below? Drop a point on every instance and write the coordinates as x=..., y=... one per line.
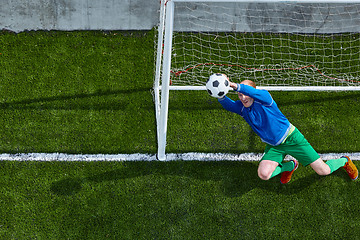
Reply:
x=286, y=176
x=350, y=168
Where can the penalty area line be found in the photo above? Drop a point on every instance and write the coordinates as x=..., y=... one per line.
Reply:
x=191, y=156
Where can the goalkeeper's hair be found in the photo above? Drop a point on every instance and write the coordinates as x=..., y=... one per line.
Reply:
x=249, y=83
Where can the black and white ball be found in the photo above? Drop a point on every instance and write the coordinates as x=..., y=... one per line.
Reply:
x=218, y=85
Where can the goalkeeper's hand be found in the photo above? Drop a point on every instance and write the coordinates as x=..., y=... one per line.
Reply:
x=233, y=85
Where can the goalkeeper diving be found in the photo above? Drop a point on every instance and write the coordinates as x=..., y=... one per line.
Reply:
x=260, y=111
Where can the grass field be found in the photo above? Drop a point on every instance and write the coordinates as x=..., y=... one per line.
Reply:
x=173, y=200
x=90, y=92
x=77, y=92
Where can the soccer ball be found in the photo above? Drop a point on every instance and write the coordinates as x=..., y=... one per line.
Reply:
x=217, y=85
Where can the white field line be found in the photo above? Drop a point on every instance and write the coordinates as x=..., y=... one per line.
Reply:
x=192, y=156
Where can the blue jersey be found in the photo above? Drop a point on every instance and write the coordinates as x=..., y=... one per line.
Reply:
x=263, y=115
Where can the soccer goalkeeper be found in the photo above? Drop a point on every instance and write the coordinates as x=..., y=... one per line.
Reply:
x=260, y=111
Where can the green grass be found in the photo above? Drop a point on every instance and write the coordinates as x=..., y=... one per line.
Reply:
x=90, y=92
x=173, y=200
x=76, y=92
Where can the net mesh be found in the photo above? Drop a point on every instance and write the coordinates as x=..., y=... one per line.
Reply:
x=273, y=44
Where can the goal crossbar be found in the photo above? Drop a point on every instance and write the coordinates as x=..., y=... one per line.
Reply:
x=274, y=88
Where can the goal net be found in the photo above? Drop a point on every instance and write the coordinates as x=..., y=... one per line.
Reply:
x=291, y=45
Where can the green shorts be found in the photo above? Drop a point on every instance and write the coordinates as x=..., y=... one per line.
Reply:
x=295, y=145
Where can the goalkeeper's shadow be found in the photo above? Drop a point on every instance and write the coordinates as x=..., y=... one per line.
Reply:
x=299, y=183
x=295, y=186
x=237, y=186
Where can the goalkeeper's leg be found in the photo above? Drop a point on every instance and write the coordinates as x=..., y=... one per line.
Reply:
x=330, y=166
x=272, y=163
x=269, y=169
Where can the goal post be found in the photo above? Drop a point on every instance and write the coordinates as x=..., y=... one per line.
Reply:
x=304, y=45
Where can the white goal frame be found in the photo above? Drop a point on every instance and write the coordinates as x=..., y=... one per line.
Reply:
x=162, y=85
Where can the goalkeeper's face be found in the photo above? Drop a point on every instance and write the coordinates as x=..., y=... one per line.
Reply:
x=246, y=100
